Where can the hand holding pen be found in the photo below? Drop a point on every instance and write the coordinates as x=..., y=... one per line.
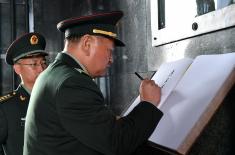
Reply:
x=149, y=90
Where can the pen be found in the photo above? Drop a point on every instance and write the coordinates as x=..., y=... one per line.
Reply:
x=140, y=77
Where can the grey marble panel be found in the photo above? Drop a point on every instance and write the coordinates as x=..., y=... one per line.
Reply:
x=132, y=30
x=124, y=88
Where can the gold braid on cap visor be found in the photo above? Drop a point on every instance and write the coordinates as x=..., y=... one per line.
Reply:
x=111, y=34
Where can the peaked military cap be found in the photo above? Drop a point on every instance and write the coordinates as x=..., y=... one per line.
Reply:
x=27, y=45
x=103, y=24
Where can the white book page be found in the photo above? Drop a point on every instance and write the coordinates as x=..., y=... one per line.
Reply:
x=166, y=77
x=191, y=97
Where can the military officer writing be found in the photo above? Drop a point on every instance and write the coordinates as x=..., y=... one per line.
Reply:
x=27, y=56
x=67, y=114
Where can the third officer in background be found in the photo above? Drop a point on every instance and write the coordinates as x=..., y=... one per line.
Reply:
x=28, y=58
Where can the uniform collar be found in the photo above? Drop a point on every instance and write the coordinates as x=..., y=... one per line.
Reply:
x=83, y=67
x=69, y=60
x=26, y=89
x=24, y=95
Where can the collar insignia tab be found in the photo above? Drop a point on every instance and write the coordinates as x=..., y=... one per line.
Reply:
x=22, y=98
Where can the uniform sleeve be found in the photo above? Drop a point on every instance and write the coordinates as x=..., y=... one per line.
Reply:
x=3, y=129
x=133, y=130
x=83, y=113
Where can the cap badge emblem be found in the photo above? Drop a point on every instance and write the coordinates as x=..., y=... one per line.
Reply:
x=34, y=40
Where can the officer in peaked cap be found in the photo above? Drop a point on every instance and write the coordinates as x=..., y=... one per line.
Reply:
x=28, y=45
x=75, y=118
x=103, y=24
x=27, y=56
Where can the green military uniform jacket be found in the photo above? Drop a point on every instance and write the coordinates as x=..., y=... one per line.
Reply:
x=67, y=116
x=13, y=108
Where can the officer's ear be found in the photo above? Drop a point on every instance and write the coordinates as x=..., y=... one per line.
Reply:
x=17, y=69
x=87, y=41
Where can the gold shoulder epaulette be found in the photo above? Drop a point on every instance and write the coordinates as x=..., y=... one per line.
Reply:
x=5, y=97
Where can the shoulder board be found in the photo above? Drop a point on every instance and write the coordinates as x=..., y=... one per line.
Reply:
x=7, y=96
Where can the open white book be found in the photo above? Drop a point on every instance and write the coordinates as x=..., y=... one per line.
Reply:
x=192, y=91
